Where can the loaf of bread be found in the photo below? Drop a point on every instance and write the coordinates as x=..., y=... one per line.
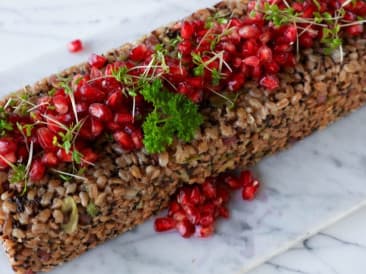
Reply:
x=129, y=186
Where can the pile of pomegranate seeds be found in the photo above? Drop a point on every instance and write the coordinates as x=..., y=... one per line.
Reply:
x=75, y=46
x=195, y=208
x=202, y=59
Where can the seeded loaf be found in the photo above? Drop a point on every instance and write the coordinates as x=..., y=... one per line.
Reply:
x=130, y=187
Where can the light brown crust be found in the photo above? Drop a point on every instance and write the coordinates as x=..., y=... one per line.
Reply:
x=130, y=187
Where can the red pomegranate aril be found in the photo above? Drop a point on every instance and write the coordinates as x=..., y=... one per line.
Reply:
x=272, y=67
x=22, y=152
x=63, y=156
x=137, y=137
x=290, y=34
x=184, y=195
x=123, y=118
x=193, y=213
x=251, y=31
x=173, y=207
x=5, y=158
x=233, y=182
x=252, y=61
x=223, y=212
x=37, y=170
x=209, y=189
x=75, y=46
x=88, y=156
x=81, y=107
x=96, y=127
x=206, y=219
x=206, y=231
x=61, y=103
x=306, y=41
x=236, y=82
x=246, y=178
x=355, y=30
x=139, y=53
x=164, y=224
x=265, y=54
x=222, y=195
x=115, y=100
x=196, y=196
x=100, y=111
x=179, y=215
x=185, y=47
x=96, y=74
x=97, y=61
x=46, y=139
x=124, y=140
x=91, y=94
x=7, y=145
x=249, y=192
x=185, y=228
x=270, y=82
x=187, y=30
x=50, y=159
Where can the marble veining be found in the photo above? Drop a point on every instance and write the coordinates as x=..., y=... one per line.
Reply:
x=314, y=184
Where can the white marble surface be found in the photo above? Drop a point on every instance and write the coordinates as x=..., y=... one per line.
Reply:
x=306, y=188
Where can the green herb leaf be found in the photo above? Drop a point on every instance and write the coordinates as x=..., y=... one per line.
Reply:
x=173, y=115
x=92, y=210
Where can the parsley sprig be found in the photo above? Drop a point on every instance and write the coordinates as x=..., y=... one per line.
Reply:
x=173, y=115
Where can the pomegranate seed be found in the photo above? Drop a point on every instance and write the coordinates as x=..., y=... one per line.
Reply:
x=185, y=228
x=236, y=82
x=37, y=170
x=183, y=196
x=206, y=231
x=270, y=82
x=290, y=34
x=75, y=46
x=137, y=137
x=164, y=224
x=192, y=213
x=234, y=183
x=252, y=61
x=249, y=192
x=209, y=189
x=265, y=54
x=89, y=156
x=97, y=61
x=206, y=219
x=223, y=212
x=95, y=74
x=7, y=145
x=91, y=94
x=139, y=53
x=7, y=157
x=179, y=216
x=355, y=30
x=50, y=159
x=173, y=208
x=115, y=100
x=196, y=197
x=246, y=178
x=185, y=47
x=187, y=30
x=123, y=118
x=61, y=103
x=248, y=32
x=100, y=111
x=96, y=127
x=124, y=140
x=46, y=139
x=63, y=156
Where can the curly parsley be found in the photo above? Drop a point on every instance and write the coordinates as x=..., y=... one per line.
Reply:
x=173, y=115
